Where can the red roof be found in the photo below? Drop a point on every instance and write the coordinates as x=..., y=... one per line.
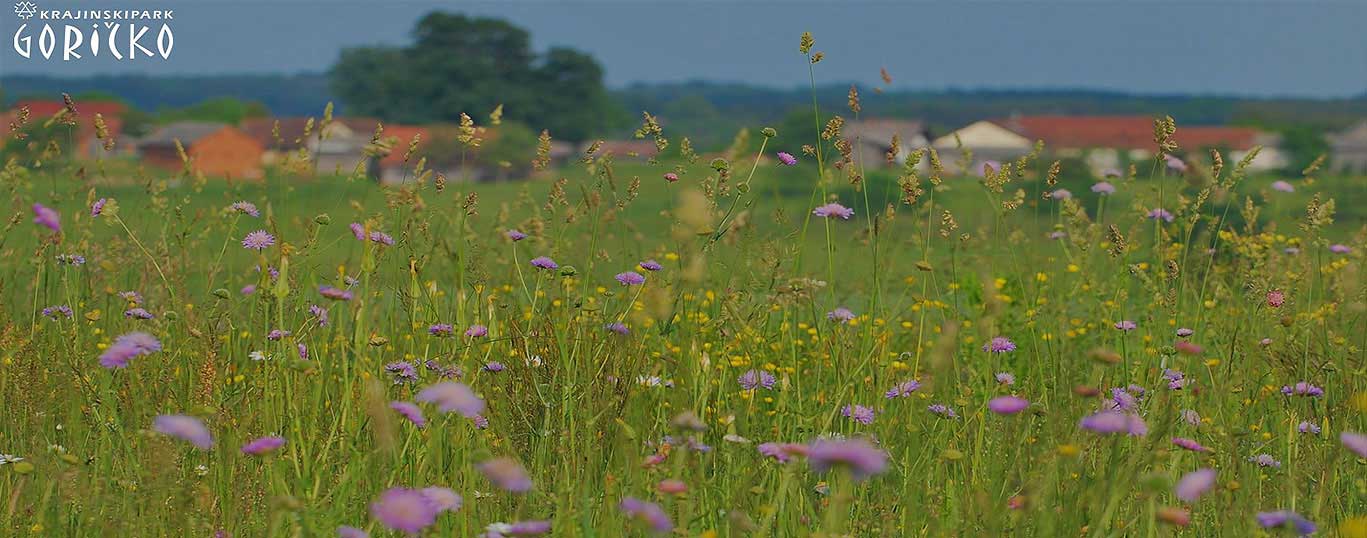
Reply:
x=43, y=109
x=1123, y=132
x=403, y=135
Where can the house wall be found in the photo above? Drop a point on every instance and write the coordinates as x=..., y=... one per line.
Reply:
x=227, y=152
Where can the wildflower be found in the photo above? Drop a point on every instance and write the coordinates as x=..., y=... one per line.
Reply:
x=507, y=474
x=1302, y=389
x=1308, y=427
x=186, y=428
x=358, y=231
x=1160, y=213
x=494, y=367
x=55, y=310
x=521, y=528
x=351, y=532
x=452, y=397
x=1176, y=380
x=671, y=486
x=833, y=210
x=248, y=289
x=651, y=265
x=441, y=329
x=1174, y=516
x=410, y=412
x=630, y=278
x=862, y=458
x=403, y=372
x=1287, y=519
x=1057, y=235
x=1185, y=332
x=1007, y=405
x=381, y=238
x=1355, y=442
x=618, y=327
x=1265, y=342
x=1339, y=249
x=1189, y=444
x=404, y=509
x=47, y=217
x=319, y=314
x=543, y=262
x=515, y=235
x=648, y=512
x=787, y=158
x=127, y=347
x=258, y=240
x=1191, y=417
x=245, y=207
x=262, y=445
x=1195, y=484
x=756, y=378
x=476, y=331
x=335, y=294
x=443, y=499
x=903, y=389
x=277, y=334
x=9, y=458
x=1122, y=399
x=782, y=452
x=671, y=177
x=98, y=207
x=1188, y=348
x=942, y=410
x=1282, y=186
x=1111, y=421
x=999, y=344
x=480, y=421
x=1276, y=298
x=1265, y=460
x=1103, y=188
x=840, y=315
x=303, y=351
x=1126, y=325
x=1061, y=194
x=1175, y=164
x=858, y=413
x=131, y=296
x=1005, y=378
x=74, y=260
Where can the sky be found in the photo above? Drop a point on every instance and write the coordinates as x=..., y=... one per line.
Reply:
x=1311, y=48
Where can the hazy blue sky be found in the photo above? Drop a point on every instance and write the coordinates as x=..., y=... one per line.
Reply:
x=1251, y=47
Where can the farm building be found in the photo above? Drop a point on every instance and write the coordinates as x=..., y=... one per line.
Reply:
x=872, y=139
x=989, y=142
x=213, y=148
x=1348, y=150
x=337, y=150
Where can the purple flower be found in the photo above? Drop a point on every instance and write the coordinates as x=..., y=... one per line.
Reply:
x=651, y=265
x=258, y=240
x=494, y=367
x=520, y=528
x=320, y=314
x=782, y=452
x=515, y=235
x=543, y=262
x=404, y=509
x=131, y=296
x=1195, y=484
x=277, y=334
x=903, y=389
x=47, y=217
x=840, y=315
x=186, y=428
x=1122, y=399
x=410, y=412
x=942, y=410
x=1103, y=188
x=506, y=473
x=756, y=378
x=382, y=238
x=403, y=372
x=618, y=327
x=1174, y=163
x=833, y=209
x=1005, y=378
x=1159, y=213
x=443, y=499
x=1308, y=427
x=98, y=207
x=262, y=445
x=1282, y=186
x=476, y=331
x=1265, y=460
x=358, y=231
x=451, y=396
x=303, y=351
x=1302, y=389
x=787, y=158
x=74, y=260
x=1355, y=442
x=127, y=347
x=1185, y=332
x=245, y=207
x=858, y=413
x=1126, y=325
x=351, y=532
x=999, y=344
x=248, y=289
x=1285, y=518
x=630, y=278
x=480, y=421
x=1061, y=194
x=1189, y=444
x=1339, y=249
x=649, y=512
x=671, y=177
x=441, y=329
x=1007, y=405
x=1111, y=421
x=55, y=310
x=862, y=458
x=336, y=294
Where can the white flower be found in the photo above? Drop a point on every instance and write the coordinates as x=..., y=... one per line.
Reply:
x=9, y=458
x=257, y=356
x=201, y=470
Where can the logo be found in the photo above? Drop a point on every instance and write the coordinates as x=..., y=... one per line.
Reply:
x=25, y=10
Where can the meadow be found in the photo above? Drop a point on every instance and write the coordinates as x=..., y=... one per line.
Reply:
x=703, y=346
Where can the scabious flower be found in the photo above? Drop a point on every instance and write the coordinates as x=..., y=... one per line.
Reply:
x=787, y=158
x=515, y=235
x=1103, y=188
x=840, y=315
x=443, y=499
x=861, y=458
x=833, y=209
x=506, y=473
x=1176, y=380
x=999, y=344
x=262, y=445
x=651, y=265
x=1302, y=389
x=630, y=278
x=542, y=262
x=858, y=413
x=406, y=510
x=409, y=411
x=1355, y=442
x=1061, y=194
x=1286, y=519
x=351, y=532
x=1195, y=484
x=618, y=327
x=357, y=231
x=476, y=331
x=319, y=314
x=480, y=421
x=451, y=396
x=753, y=379
x=1308, y=427
x=942, y=410
x=74, y=260
x=1006, y=378
x=1186, y=347
x=1276, y=298
x=782, y=452
x=494, y=367
x=131, y=296
x=47, y=217
x=403, y=372
x=128, y=346
x=186, y=428
x=248, y=289
x=1126, y=325
x=671, y=177
x=903, y=389
x=277, y=334
x=1189, y=444
x=1007, y=405
x=244, y=207
x=1123, y=399
x=1282, y=186
x=441, y=329
x=55, y=310
x=648, y=512
x=1111, y=421
x=336, y=294
x=1265, y=460
x=381, y=238
x=1339, y=249
x=137, y=313
x=1160, y=213
x=303, y=351
x=1185, y=332
x=520, y=528
x=98, y=207
x=1175, y=164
